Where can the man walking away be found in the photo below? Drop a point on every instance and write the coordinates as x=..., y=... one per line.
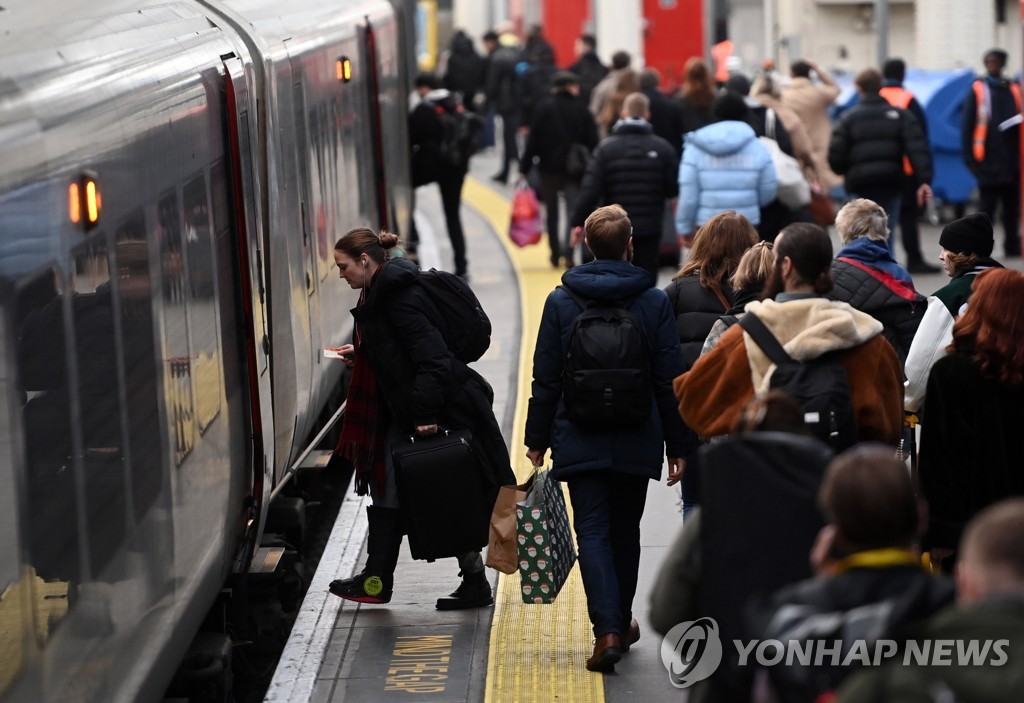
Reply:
x=503, y=96
x=635, y=169
x=439, y=155
x=588, y=66
x=666, y=114
x=991, y=145
x=893, y=72
x=869, y=144
x=559, y=121
x=607, y=465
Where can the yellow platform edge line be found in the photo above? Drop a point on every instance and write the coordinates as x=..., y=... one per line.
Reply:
x=536, y=653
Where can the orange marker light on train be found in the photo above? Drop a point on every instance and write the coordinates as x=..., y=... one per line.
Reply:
x=92, y=201
x=75, y=203
x=343, y=69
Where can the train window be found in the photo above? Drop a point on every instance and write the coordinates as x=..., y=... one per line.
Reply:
x=139, y=361
x=49, y=494
x=202, y=268
x=93, y=366
x=178, y=371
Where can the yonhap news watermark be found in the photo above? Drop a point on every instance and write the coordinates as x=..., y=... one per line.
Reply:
x=692, y=651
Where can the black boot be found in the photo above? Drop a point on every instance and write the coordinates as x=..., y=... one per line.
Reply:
x=473, y=592
x=375, y=582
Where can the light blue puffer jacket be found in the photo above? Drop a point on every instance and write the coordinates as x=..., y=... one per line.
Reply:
x=724, y=167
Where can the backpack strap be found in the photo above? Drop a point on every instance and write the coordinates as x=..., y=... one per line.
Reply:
x=576, y=298
x=764, y=338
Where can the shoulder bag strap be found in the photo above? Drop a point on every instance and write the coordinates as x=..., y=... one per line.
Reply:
x=764, y=338
x=721, y=298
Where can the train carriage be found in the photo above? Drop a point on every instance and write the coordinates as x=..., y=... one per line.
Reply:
x=172, y=179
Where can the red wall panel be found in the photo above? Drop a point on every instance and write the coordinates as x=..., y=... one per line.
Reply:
x=673, y=32
x=564, y=20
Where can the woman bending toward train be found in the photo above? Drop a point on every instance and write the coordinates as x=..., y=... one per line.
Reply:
x=404, y=380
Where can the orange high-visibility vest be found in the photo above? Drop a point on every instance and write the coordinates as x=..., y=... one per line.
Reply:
x=898, y=96
x=983, y=98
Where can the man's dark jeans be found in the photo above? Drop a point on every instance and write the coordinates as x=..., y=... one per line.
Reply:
x=551, y=185
x=1009, y=196
x=607, y=507
x=450, y=184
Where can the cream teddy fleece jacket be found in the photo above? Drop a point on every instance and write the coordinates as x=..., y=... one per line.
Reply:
x=806, y=328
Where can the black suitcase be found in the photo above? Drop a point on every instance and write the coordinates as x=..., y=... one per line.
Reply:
x=442, y=495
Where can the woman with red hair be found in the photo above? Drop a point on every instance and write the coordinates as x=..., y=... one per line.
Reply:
x=972, y=454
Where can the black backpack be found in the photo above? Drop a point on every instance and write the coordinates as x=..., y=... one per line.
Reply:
x=818, y=385
x=606, y=379
x=466, y=328
x=462, y=134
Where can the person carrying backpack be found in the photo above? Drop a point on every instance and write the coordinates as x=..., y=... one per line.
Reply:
x=443, y=136
x=607, y=414
x=409, y=377
x=833, y=357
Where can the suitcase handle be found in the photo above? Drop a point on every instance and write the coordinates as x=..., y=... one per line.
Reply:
x=441, y=432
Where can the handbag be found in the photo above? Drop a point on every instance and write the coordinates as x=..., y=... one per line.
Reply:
x=442, y=494
x=793, y=190
x=578, y=157
x=822, y=207
x=546, y=549
x=577, y=160
x=502, y=550
x=525, y=225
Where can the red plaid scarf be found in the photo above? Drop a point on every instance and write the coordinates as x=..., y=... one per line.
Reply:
x=362, y=435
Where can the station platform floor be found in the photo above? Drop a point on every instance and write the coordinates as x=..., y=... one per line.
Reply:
x=353, y=653
x=342, y=652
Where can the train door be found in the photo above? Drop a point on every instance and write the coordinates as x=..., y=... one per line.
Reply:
x=305, y=370
x=245, y=204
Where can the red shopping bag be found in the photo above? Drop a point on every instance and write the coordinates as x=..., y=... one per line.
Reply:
x=525, y=226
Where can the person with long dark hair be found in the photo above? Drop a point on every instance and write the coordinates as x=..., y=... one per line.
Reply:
x=807, y=324
x=405, y=380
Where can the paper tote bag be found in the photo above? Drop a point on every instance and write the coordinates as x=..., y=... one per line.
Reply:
x=546, y=549
x=502, y=548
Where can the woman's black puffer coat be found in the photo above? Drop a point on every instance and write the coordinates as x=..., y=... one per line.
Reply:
x=697, y=308
x=421, y=382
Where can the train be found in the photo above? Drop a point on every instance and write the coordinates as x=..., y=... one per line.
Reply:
x=173, y=176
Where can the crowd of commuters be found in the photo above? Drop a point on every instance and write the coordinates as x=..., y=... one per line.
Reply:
x=877, y=150
x=762, y=310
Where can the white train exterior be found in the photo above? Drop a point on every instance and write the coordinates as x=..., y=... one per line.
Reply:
x=173, y=177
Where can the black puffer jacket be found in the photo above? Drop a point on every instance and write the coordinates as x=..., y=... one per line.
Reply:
x=559, y=120
x=697, y=308
x=869, y=142
x=637, y=170
x=899, y=308
x=465, y=73
x=421, y=382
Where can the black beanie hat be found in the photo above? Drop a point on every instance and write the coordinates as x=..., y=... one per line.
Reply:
x=969, y=235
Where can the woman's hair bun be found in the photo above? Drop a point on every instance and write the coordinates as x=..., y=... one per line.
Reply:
x=388, y=240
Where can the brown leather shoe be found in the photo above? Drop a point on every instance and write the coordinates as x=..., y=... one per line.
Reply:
x=607, y=651
x=632, y=635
